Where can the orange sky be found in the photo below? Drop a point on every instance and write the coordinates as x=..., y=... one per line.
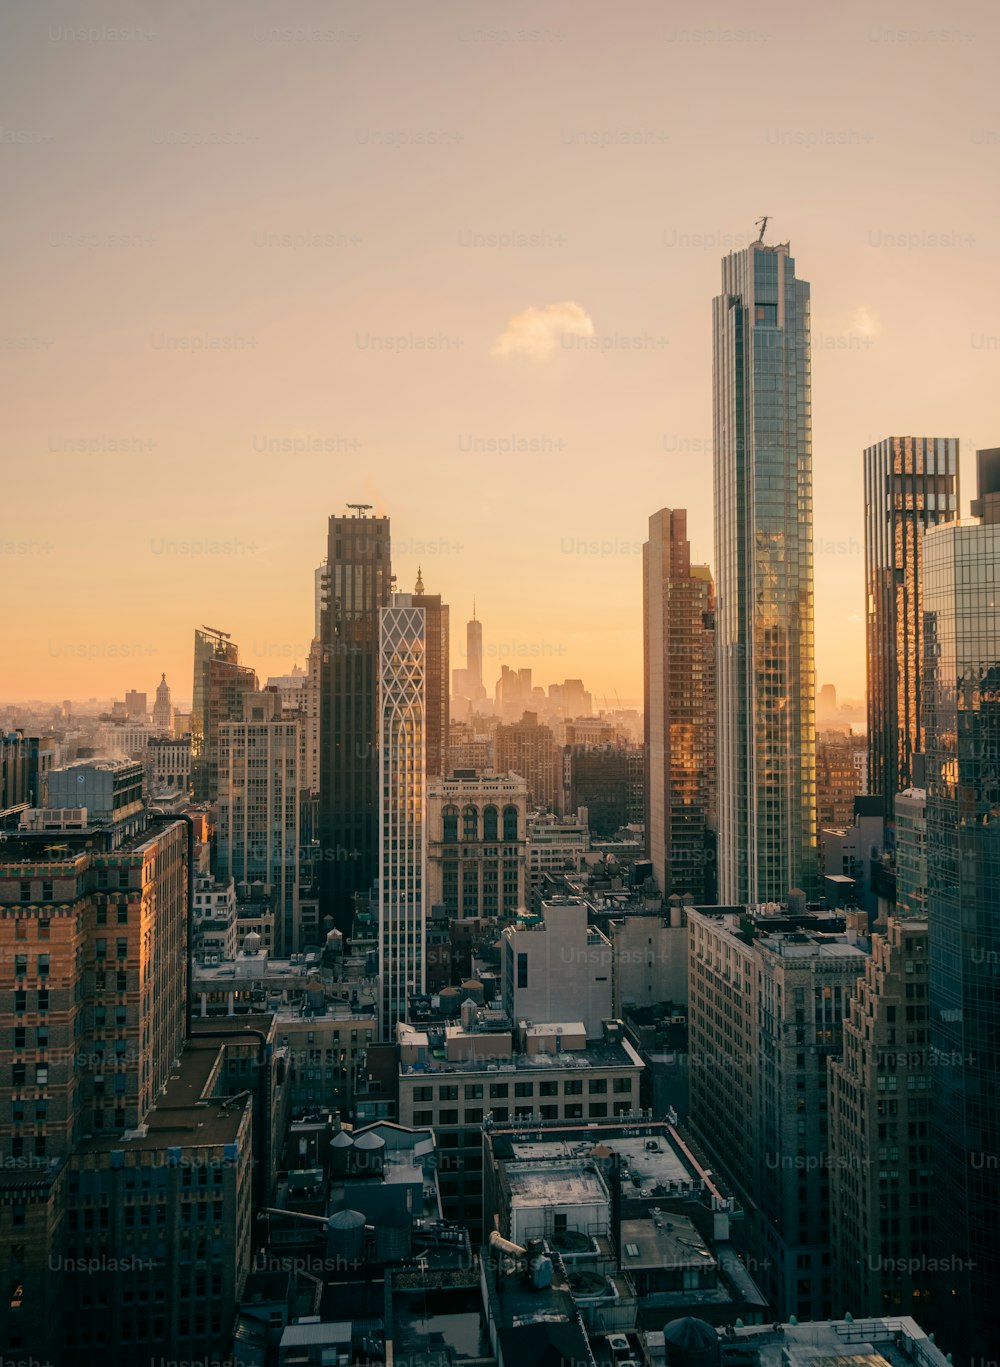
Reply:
x=456, y=260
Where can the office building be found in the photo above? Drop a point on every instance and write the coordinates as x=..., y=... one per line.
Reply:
x=880, y=1170
x=168, y=764
x=767, y=995
x=911, y=853
x=528, y=748
x=762, y=425
x=477, y=844
x=608, y=781
x=961, y=570
x=911, y=484
x=260, y=808
x=402, y=829
x=357, y=588
x=467, y=682
x=220, y=685
x=678, y=670
x=452, y=1075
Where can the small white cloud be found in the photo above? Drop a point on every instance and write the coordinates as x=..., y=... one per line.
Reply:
x=865, y=322
x=535, y=333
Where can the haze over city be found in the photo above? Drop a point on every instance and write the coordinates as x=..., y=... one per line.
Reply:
x=261, y=262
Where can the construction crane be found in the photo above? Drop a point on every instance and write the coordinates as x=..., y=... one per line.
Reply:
x=214, y=631
x=762, y=225
x=360, y=508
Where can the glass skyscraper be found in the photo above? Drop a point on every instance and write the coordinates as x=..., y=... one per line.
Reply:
x=962, y=734
x=911, y=483
x=765, y=668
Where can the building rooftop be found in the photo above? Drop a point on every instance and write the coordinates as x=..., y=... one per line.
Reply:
x=187, y=1115
x=598, y=1054
x=898, y=1342
x=664, y=1240
x=573, y=1182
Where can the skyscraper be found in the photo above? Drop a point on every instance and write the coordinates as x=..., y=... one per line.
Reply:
x=467, y=684
x=438, y=649
x=220, y=684
x=358, y=577
x=762, y=425
x=402, y=810
x=679, y=669
x=961, y=700
x=911, y=483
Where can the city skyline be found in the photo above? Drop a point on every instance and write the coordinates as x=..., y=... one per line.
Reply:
x=234, y=240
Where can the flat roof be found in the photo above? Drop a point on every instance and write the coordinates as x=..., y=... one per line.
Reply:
x=836, y=1343
x=572, y=1183
x=653, y=1167
x=177, y=1119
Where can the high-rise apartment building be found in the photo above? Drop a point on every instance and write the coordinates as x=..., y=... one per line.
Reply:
x=357, y=588
x=558, y=968
x=402, y=821
x=911, y=853
x=260, y=808
x=436, y=677
x=767, y=996
x=879, y=1160
x=477, y=844
x=961, y=698
x=762, y=424
x=911, y=484
x=220, y=684
x=679, y=671
x=527, y=747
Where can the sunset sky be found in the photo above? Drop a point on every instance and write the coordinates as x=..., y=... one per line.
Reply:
x=456, y=260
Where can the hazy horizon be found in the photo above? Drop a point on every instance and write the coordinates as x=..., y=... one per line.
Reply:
x=457, y=264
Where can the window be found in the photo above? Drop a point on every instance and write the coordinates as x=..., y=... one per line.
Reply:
x=510, y=823
x=522, y=970
x=43, y=965
x=20, y=965
x=498, y=1089
x=449, y=818
x=20, y=1037
x=101, y=947
x=500, y=1113
x=423, y=1094
x=423, y=1117
x=597, y=1108
x=622, y=1085
x=473, y=1115
x=597, y=1086
x=524, y=1089
x=449, y=1117
x=470, y=823
x=447, y=1094
x=549, y=1112
x=548, y=1089
x=491, y=820
x=573, y=1110
x=44, y=929
x=474, y=1091
x=573, y=1087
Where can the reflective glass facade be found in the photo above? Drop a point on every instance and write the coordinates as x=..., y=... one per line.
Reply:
x=402, y=811
x=679, y=708
x=765, y=668
x=911, y=483
x=961, y=566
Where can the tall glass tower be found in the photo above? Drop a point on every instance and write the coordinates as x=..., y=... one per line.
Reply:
x=962, y=737
x=766, y=724
x=911, y=483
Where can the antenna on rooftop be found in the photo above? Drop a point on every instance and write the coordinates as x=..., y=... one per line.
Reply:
x=762, y=225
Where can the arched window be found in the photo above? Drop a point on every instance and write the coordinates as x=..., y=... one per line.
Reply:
x=470, y=823
x=491, y=821
x=449, y=819
x=510, y=823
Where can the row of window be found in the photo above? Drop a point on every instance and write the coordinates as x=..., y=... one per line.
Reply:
x=473, y=1091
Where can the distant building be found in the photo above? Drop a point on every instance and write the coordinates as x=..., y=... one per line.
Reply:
x=679, y=691
x=911, y=484
x=220, y=685
x=528, y=748
x=163, y=712
x=260, y=807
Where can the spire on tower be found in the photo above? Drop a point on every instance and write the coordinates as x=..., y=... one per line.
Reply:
x=419, y=586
